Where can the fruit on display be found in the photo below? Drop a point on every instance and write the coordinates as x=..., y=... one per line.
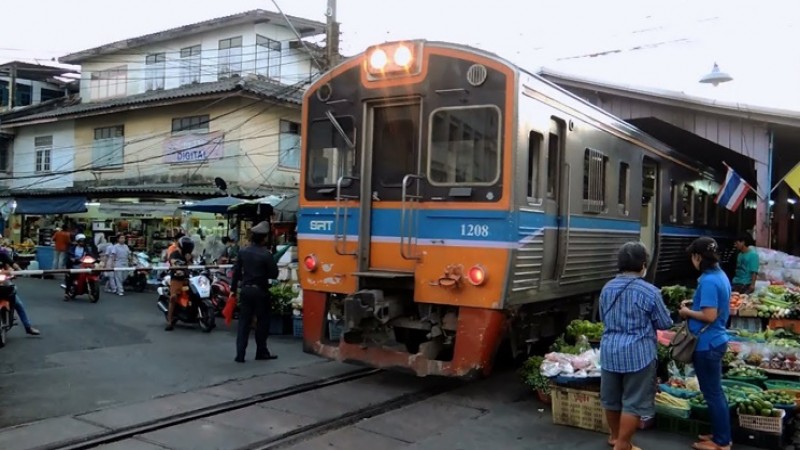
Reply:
x=664, y=399
x=746, y=372
x=757, y=405
x=592, y=330
x=779, y=397
x=736, y=300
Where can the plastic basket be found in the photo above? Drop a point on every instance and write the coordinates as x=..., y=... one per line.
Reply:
x=678, y=425
x=771, y=425
x=780, y=385
x=678, y=392
x=578, y=408
x=297, y=326
x=700, y=412
x=741, y=385
x=758, y=382
x=674, y=412
x=335, y=330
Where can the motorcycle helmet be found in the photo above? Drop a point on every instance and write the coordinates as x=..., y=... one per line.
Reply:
x=80, y=237
x=186, y=244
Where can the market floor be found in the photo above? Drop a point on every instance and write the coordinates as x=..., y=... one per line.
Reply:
x=112, y=352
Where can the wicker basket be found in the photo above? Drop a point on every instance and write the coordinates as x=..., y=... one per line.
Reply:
x=771, y=425
x=579, y=409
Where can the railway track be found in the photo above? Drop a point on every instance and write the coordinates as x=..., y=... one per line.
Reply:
x=275, y=442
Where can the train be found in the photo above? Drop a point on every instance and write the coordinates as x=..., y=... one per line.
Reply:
x=452, y=203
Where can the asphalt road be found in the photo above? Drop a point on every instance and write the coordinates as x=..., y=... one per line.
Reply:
x=113, y=352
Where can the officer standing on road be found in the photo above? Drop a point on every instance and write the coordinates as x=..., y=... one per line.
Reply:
x=254, y=268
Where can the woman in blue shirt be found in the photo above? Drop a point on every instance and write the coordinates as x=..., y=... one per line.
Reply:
x=707, y=319
x=632, y=310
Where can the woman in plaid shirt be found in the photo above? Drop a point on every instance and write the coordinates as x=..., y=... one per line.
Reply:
x=632, y=310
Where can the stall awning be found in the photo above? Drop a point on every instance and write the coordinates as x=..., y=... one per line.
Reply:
x=50, y=205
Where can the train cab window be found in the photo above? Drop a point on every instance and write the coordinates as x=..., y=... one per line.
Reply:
x=623, y=195
x=329, y=156
x=464, y=146
x=687, y=205
x=534, y=151
x=673, y=198
x=595, y=165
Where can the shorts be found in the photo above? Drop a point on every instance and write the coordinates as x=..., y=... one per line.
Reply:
x=631, y=393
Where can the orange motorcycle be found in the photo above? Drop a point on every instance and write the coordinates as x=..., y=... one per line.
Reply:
x=8, y=295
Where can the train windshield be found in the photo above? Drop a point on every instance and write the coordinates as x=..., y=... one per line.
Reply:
x=329, y=155
x=464, y=146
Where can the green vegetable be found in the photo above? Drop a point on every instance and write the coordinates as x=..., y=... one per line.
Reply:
x=593, y=331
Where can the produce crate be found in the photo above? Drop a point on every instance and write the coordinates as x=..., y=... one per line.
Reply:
x=788, y=324
x=579, y=409
x=771, y=425
x=297, y=329
x=747, y=323
x=678, y=425
x=665, y=410
x=759, y=439
x=782, y=385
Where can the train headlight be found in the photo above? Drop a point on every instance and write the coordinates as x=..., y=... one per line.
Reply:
x=477, y=275
x=403, y=56
x=393, y=60
x=378, y=60
x=310, y=263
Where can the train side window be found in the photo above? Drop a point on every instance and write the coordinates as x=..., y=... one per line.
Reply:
x=700, y=206
x=595, y=164
x=673, y=198
x=623, y=196
x=328, y=154
x=687, y=205
x=553, y=146
x=534, y=151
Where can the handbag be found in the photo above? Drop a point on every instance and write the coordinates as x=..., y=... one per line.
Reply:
x=682, y=345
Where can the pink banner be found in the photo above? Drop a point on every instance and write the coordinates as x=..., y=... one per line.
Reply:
x=194, y=148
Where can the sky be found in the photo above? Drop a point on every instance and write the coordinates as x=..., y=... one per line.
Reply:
x=645, y=43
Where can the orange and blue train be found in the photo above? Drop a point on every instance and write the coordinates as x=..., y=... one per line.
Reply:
x=451, y=201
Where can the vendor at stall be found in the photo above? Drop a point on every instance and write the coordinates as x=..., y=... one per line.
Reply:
x=744, y=280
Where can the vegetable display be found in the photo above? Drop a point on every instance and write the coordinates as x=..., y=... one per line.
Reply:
x=664, y=399
x=674, y=295
x=592, y=330
x=757, y=405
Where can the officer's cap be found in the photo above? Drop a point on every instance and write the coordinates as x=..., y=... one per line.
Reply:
x=261, y=228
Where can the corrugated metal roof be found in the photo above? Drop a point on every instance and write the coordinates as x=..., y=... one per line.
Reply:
x=266, y=89
x=172, y=190
x=305, y=27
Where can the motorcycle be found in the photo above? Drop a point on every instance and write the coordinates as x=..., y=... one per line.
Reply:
x=137, y=279
x=84, y=283
x=8, y=295
x=194, y=300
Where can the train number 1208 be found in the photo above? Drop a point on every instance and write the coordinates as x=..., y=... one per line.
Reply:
x=474, y=230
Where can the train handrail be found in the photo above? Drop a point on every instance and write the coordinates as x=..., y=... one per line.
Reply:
x=403, y=213
x=337, y=215
x=568, y=221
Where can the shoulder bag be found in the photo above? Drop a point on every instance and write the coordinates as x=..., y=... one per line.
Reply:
x=682, y=345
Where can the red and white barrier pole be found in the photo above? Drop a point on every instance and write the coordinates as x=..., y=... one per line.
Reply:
x=116, y=269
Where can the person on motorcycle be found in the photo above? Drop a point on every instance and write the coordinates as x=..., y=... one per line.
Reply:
x=181, y=257
x=7, y=263
x=76, y=252
x=254, y=268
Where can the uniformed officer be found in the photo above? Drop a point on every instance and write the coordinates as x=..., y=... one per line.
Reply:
x=254, y=268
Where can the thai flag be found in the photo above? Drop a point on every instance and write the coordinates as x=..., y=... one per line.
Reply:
x=733, y=191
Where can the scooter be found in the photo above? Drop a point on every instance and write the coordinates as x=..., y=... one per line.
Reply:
x=8, y=295
x=84, y=283
x=194, y=300
x=137, y=279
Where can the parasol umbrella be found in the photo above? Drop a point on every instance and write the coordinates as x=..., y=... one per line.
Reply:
x=285, y=206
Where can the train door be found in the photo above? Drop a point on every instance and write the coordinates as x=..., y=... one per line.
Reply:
x=392, y=150
x=650, y=206
x=555, y=194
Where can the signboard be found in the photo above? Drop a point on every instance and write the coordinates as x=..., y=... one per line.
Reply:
x=194, y=148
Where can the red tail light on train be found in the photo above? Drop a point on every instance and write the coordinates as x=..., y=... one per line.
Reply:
x=477, y=275
x=310, y=263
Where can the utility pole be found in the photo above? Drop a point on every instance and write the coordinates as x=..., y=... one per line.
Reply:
x=12, y=86
x=332, y=35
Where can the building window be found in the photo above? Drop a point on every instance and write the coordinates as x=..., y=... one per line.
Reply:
x=51, y=94
x=594, y=181
x=190, y=65
x=268, y=57
x=534, y=150
x=43, y=146
x=193, y=123
x=5, y=153
x=155, y=71
x=108, y=83
x=3, y=94
x=108, y=151
x=289, y=156
x=623, y=194
x=230, y=57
